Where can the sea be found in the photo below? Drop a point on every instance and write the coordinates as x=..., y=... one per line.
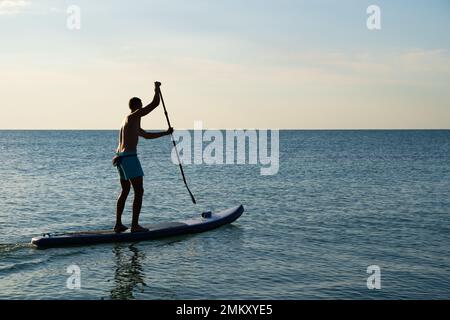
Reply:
x=350, y=214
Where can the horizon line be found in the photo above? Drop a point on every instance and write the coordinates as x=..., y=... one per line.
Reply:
x=280, y=129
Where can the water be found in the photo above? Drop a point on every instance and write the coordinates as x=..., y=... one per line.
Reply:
x=342, y=200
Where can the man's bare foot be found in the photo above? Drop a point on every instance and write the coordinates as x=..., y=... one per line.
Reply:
x=120, y=228
x=138, y=228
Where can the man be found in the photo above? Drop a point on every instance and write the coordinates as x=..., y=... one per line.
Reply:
x=127, y=162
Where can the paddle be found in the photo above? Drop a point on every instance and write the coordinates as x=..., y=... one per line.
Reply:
x=176, y=150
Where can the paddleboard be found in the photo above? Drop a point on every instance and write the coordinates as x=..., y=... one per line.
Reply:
x=201, y=223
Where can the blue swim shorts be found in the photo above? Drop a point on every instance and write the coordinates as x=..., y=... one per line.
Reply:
x=129, y=166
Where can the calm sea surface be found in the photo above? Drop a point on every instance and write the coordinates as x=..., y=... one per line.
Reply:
x=341, y=201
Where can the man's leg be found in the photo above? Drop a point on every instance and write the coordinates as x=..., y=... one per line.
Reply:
x=138, y=188
x=121, y=205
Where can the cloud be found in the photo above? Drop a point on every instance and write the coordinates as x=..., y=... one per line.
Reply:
x=9, y=7
x=57, y=10
x=387, y=67
x=420, y=60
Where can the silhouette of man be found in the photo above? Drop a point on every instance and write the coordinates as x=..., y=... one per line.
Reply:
x=127, y=162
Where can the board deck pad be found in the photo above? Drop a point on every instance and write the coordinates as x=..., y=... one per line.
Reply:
x=157, y=230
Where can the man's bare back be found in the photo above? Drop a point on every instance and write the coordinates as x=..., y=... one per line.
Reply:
x=129, y=134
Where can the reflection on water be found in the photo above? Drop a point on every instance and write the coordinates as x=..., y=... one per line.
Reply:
x=129, y=273
x=138, y=266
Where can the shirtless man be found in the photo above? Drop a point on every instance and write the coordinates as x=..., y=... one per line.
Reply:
x=127, y=162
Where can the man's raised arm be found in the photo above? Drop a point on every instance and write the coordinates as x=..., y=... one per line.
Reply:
x=151, y=106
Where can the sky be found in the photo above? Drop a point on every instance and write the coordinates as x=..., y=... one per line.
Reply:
x=229, y=63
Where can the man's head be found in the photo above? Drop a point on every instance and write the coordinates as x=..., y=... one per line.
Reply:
x=135, y=104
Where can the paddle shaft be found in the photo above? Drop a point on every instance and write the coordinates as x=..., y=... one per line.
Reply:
x=176, y=150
